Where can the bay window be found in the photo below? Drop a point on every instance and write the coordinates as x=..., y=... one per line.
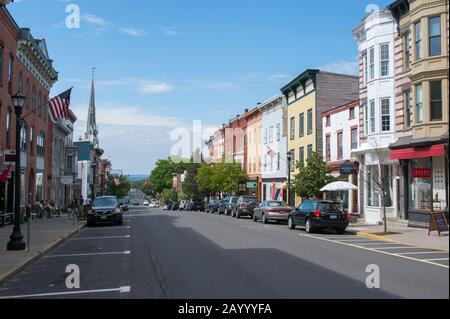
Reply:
x=436, y=101
x=419, y=103
x=434, y=29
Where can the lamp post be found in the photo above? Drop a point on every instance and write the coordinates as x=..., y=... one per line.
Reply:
x=16, y=239
x=93, y=164
x=289, y=160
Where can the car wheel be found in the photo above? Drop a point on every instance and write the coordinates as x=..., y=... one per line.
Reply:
x=120, y=222
x=340, y=231
x=237, y=215
x=255, y=219
x=264, y=219
x=308, y=227
x=291, y=224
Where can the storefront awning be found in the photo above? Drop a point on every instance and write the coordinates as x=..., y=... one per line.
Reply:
x=418, y=152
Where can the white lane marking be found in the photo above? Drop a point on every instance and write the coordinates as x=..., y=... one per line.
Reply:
x=376, y=251
x=423, y=252
x=388, y=248
x=375, y=244
x=109, y=228
x=437, y=259
x=91, y=254
x=123, y=289
x=355, y=240
x=108, y=237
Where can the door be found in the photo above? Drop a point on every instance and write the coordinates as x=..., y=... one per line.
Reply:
x=305, y=208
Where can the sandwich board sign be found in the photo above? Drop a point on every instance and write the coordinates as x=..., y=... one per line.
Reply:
x=438, y=223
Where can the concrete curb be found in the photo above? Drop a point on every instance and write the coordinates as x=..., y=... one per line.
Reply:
x=373, y=236
x=26, y=263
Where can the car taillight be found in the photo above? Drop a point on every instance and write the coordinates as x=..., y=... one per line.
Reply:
x=242, y=204
x=316, y=213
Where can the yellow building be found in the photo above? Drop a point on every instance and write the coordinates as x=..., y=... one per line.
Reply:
x=308, y=96
x=253, y=149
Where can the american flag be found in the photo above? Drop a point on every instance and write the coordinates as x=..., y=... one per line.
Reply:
x=59, y=106
x=271, y=153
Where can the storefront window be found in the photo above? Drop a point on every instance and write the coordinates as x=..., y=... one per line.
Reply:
x=373, y=198
x=420, y=184
x=39, y=186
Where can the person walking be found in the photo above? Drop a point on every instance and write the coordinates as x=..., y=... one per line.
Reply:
x=87, y=206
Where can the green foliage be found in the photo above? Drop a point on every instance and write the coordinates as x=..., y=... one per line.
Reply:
x=312, y=177
x=220, y=177
x=120, y=190
x=169, y=196
x=161, y=176
x=190, y=187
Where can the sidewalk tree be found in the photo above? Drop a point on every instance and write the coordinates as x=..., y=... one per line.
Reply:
x=312, y=177
x=118, y=186
x=161, y=175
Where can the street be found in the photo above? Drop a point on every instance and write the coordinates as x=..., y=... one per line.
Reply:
x=171, y=254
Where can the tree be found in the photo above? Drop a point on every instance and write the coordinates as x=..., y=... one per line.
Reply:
x=312, y=177
x=204, y=179
x=161, y=176
x=118, y=186
x=190, y=187
x=169, y=196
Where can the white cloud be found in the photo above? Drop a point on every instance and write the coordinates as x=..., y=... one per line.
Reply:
x=134, y=32
x=150, y=87
x=349, y=67
x=93, y=19
x=170, y=32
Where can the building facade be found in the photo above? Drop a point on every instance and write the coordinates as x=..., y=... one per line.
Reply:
x=273, y=149
x=253, y=151
x=378, y=172
x=308, y=96
x=25, y=68
x=422, y=89
x=340, y=127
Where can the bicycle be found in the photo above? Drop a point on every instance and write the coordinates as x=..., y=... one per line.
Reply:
x=75, y=214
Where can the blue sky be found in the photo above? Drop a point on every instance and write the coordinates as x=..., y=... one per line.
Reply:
x=162, y=64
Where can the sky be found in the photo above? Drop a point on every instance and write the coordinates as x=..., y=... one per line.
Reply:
x=160, y=65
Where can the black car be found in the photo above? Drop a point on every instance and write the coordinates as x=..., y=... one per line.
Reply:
x=105, y=209
x=316, y=215
x=196, y=205
x=176, y=206
x=213, y=206
x=245, y=206
x=227, y=205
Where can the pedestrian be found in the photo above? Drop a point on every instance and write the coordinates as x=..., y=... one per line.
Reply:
x=81, y=202
x=87, y=206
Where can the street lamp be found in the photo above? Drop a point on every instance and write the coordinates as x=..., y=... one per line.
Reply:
x=16, y=239
x=289, y=156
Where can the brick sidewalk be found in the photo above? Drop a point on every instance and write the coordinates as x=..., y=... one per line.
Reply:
x=45, y=234
x=405, y=235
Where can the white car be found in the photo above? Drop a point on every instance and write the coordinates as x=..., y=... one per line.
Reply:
x=146, y=203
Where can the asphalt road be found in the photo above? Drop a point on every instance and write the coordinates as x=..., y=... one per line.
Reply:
x=160, y=254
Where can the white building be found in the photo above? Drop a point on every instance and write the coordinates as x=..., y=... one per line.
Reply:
x=375, y=40
x=274, y=149
x=340, y=127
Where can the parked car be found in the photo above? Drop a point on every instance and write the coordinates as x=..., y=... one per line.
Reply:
x=316, y=215
x=176, y=206
x=196, y=204
x=227, y=205
x=105, y=209
x=183, y=205
x=146, y=203
x=135, y=203
x=213, y=206
x=245, y=206
x=123, y=204
x=272, y=210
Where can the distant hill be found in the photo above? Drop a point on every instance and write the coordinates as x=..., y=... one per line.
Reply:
x=136, y=178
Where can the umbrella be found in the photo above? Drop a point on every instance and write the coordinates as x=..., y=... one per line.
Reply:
x=339, y=186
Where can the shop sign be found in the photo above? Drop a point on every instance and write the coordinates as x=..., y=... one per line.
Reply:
x=67, y=180
x=251, y=185
x=438, y=222
x=421, y=173
x=347, y=169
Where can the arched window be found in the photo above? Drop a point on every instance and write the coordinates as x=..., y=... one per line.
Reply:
x=39, y=104
x=20, y=91
x=32, y=140
x=23, y=136
x=8, y=129
x=27, y=93
x=40, y=144
x=33, y=99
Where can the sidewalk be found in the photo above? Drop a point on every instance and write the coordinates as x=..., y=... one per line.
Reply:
x=404, y=235
x=45, y=234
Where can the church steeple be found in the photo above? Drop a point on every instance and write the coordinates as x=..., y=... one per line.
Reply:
x=91, y=126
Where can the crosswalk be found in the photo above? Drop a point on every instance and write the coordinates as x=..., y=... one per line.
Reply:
x=420, y=254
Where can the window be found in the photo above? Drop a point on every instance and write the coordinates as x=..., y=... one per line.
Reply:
x=32, y=140
x=328, y=147
x=44, y=107
x=385, y=115
x=20, y=89
x=33, y=99
x=351, y=113
x=372, y=63
x=278, y=132
x=278, y=161
x=406, y=52
x=301, y=158
x=271, y=134
x=365, y=69
x=373, y=198
x=8, y=129
x=354, y=138
x=340, y=146
x=23, y=136
x=310, y=122
x=436, y=101
x=291, y=97
x=40, y=145
x=420, y=185
x=302, y=124
x=418, y=41
x=384, y=59
x=407, y=112
x=39, y=103
x=27, y=93
x=372, y=116
x=1, y=64
x=292, y=128
x=293, y=160
x=310, y=151
x=328, y=120
x=265, y=135
x=366, y=119
x=435, y=35
x=10, y=73
x=419, y=103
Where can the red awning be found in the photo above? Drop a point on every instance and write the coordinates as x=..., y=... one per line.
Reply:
x=418, y=152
